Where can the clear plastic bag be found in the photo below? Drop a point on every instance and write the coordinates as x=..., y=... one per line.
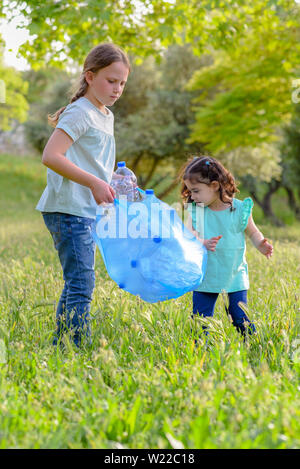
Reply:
x=147, y=250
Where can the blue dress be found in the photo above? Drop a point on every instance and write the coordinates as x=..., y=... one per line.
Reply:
x=227, y=269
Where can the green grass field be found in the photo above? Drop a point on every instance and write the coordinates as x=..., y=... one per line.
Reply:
x=141, y=383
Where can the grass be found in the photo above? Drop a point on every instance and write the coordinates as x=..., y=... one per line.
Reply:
x=141, y=383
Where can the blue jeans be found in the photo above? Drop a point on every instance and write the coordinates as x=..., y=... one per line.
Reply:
x=72, y=237
x=204, y=305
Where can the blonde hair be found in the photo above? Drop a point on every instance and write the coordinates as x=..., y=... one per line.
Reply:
x=99, y=57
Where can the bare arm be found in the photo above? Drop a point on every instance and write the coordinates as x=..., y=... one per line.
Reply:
x=258, y=239
x=54, y=158
x=210, y=244
x=189, y=225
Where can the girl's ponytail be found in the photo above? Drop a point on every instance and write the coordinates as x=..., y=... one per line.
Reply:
x=53, y=118
x=230, y=185
x=82, y=89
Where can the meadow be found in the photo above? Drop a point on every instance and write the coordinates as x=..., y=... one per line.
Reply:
x=141, y=383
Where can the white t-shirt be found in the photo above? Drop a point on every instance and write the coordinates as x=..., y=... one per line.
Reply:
x=93, y=150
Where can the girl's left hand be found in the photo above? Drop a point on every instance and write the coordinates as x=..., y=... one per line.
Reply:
x=265, y=248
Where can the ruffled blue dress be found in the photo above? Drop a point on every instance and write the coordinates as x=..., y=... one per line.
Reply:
x=227, y=269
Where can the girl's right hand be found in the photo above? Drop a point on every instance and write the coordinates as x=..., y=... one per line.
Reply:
x=102, y=191
x=211, y=243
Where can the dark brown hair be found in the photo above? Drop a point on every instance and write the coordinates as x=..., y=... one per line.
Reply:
x=206, y=169
x=99, y=57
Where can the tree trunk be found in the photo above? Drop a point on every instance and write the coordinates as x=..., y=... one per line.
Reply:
x=158, y=181
x=292, y=202
x=265, y=203
x=168, y=189
x=151, y=172
x=136, y=162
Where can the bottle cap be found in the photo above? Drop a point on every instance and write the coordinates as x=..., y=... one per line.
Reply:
x=121, y=164
x=149, y=191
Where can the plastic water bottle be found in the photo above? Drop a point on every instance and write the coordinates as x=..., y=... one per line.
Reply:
x=123, y=186
x=126, y=185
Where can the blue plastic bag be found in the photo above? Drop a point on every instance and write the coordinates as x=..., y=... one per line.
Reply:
x=147, y=250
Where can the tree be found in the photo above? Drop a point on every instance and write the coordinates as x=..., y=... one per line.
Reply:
x=289, y=179
x=290, y=155
x=155, y=135
x=68, y=29
x=15, y=106
x=244, y=96
x=49, y=89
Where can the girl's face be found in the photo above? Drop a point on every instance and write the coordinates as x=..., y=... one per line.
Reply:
x=106, y=85
x=203, y=193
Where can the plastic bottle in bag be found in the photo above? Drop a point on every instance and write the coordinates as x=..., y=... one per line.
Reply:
x=126, y=185
x=123, y=186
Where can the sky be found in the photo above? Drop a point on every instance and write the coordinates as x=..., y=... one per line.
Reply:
x=14, y=38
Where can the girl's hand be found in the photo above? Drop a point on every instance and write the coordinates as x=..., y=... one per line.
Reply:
x=102, y=191
x=211, y=243
x=265, y=248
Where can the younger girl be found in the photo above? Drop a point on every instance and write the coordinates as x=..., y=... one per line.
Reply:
x=80, y=156
x=205, y=181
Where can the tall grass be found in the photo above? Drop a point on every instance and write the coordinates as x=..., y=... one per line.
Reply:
x=141, y=383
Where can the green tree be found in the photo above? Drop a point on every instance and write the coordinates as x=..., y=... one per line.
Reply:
x=66, y=30
x=289, y=179
x=290, y=155
x=15, y=106
x=49, y=89
x=154, y=136
x=244, y=96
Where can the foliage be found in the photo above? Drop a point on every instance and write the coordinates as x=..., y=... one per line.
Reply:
x=68, y=29
x=141, y=383
x=49, y=90
x=155, y=134
x=242, y=95
x=15, y=106
x=245, y=95
x=290, y=150
x=262, y=162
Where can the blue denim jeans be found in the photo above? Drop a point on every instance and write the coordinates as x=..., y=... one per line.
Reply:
x=204, y=305
x=72, y=237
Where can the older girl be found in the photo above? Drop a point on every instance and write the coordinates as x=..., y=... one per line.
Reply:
x=80, y=156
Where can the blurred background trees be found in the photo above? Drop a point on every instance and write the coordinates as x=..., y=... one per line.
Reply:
x=15, y=105
x=211, y=77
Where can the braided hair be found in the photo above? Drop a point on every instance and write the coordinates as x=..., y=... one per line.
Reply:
x=99, y=57
x=205, y=169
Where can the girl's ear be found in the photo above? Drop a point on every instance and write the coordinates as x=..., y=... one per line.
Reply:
x=89, y=77
x=215, y=185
